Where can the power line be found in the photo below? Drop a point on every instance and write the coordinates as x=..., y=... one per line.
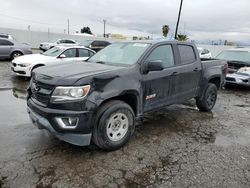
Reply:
x=41, y=23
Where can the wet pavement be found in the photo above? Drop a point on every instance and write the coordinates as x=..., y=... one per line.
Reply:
x=174, y=147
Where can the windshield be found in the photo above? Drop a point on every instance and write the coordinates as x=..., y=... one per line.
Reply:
x=235, y=55
x=120, y=53
x=86, y=42
x=53, y=52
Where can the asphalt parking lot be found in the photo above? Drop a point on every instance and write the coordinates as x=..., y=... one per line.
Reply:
x=174, y=147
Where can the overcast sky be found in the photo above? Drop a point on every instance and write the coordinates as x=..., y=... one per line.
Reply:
x=200, y=19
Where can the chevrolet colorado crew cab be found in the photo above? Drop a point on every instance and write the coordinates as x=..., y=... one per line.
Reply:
x=98, y=100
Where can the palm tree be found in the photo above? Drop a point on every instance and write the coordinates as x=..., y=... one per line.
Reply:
x=182, y=37
x=165, y=30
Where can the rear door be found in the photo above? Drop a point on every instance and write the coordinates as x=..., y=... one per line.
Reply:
x=83, y=54
x=157, y=84
x=5, y=48
x=187, y=73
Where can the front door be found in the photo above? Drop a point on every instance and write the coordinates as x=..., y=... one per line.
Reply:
x=157, y=84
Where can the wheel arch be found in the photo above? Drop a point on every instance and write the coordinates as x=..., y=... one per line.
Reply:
x=129, y=97
x=216, y=80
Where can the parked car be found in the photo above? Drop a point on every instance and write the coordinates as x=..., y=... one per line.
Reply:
x=236, y=58
x=63, y=42
x=6, y=36
x=204, y=53
x=10, y=49
x=240, y=78
x=100, y=99
x=23, y=66
x=95, y=45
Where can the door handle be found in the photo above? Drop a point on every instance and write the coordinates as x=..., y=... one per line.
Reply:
x=175, y=73
x=196, y=69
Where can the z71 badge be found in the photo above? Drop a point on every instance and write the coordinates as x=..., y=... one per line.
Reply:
x=150, y=96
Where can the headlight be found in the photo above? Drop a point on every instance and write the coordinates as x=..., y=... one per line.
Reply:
x=62, y=94
x=24, y=64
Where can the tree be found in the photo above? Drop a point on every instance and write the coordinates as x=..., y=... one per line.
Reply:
x=182, y=37
x=165, y=30
x=86, y=30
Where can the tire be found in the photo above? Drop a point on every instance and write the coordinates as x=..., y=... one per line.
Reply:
x=207, y=102
x=16, y=54
x=114, y=125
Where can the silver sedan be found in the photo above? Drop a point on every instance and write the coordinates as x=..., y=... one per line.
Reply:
x=10, y=49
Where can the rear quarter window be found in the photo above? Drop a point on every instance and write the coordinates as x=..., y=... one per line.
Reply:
x=187, y=54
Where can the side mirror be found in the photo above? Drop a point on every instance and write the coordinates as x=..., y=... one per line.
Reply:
x=154, y=65
x=90, y=46
x=62, y=56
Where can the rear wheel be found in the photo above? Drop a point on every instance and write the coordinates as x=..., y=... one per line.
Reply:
x=16, y=54
x=114, y=125
x=207, y=102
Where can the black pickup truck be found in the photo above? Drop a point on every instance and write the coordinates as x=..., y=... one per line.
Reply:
x=99, y=100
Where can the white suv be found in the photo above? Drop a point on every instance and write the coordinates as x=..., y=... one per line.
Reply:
x=7, y=36
x=63, y=42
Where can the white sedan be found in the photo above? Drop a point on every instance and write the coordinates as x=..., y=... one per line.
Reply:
x=24, y=65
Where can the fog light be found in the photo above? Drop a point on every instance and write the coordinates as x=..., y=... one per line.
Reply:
x=67, y=122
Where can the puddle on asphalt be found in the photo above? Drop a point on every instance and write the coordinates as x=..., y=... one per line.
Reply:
x=241, y=138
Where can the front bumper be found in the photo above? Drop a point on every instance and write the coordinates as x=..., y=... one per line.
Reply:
x=43, y=118
x=21, y=71
x=234, y=83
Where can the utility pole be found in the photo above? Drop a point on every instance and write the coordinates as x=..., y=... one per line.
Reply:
x=68, y=26
x=178, y=20
x=48, y=34
x=104, y=28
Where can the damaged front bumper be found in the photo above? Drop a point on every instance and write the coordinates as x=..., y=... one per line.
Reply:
x=43, y=121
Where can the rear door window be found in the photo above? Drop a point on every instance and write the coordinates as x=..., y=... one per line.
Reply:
x=83, y=52
x=187, y=54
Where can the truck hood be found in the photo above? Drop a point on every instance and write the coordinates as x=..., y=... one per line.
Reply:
x=70, y=73
x=33, y=59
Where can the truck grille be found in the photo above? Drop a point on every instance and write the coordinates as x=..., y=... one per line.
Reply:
x=230, y=79
x=41, y=92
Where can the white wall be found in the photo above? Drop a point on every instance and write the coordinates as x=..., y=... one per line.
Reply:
x=34, y=38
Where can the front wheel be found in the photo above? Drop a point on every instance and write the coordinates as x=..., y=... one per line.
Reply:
x=114, y=125
x=207, y=102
